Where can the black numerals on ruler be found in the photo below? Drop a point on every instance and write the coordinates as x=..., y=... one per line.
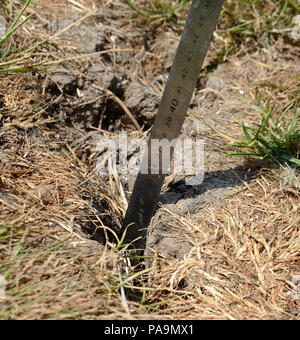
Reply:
x=173, y=107
x=175, y=102
x=202, y=19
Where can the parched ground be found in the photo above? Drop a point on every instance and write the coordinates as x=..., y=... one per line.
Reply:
x=226, y=249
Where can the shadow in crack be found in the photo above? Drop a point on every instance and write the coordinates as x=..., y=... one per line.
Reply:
x=220, y=179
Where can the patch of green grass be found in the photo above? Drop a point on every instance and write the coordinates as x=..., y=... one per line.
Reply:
x=169, y=10
x=18, y=60
x=13, y=59
x=243, y=21
x=240, y=22
x=275, y=138
x=5, y=45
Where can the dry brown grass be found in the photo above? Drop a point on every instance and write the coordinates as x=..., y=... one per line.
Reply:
x=245, y=253
x=241, y=266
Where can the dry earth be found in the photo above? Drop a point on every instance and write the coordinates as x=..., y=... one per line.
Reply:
x=226, y=249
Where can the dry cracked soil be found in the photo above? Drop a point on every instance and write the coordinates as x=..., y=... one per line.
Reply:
x=84, y=100
x=111, y=81
x=85, y=104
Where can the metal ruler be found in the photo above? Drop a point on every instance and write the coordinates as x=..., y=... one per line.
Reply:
x=197, y=33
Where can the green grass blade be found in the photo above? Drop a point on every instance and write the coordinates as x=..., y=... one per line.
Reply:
x=13, y=27
x=136, y=8
x=291, y=159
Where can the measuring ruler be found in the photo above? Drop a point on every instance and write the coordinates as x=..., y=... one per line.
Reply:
x=193, y=45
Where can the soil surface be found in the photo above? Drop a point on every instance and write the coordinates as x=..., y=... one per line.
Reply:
x=111, y=81
x=85, y=101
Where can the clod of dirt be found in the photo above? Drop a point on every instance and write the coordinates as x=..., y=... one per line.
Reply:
x=97, y=74
x=215, y=83
x=192, y=127
x=60, y=24
x=85, y=38
x=166, y=48
x=173, y=242
x=85, y=105
x=2, y=26
x=106, y=78
x=169, y=241
x=141, y=100
x=62, y=81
